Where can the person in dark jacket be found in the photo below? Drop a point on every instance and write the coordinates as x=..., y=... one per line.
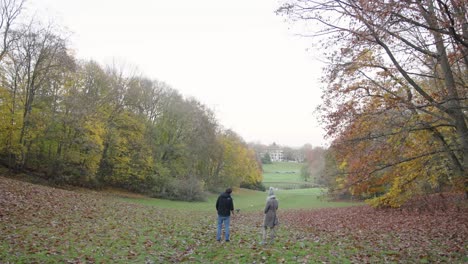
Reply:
x=224, y=206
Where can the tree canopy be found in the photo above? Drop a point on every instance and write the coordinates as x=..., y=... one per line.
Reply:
x=77, y=122
x=396, y=100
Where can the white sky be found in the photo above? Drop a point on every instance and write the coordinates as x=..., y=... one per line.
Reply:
x=237, y=57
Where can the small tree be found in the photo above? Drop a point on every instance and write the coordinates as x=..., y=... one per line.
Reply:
x=305, y=172
x=266, y=159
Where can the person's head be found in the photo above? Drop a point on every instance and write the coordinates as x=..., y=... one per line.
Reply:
x=228, y=190
x=271, y=192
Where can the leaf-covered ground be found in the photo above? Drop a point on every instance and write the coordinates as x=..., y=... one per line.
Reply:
x=40, y=224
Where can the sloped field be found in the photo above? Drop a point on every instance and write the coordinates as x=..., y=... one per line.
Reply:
x=40, y=224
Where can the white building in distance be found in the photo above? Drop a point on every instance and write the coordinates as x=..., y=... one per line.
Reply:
x=276, y=154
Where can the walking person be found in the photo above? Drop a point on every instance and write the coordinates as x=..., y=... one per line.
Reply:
x=224, y=206
x=271, y=219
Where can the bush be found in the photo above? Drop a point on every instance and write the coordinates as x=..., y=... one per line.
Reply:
x=258, y=186
x=186, y=190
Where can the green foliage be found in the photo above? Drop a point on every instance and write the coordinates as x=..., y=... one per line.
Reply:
x=266, y=159
x=305, y=172
x=258, y=186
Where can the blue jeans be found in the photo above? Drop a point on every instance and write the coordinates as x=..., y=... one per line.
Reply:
x=226, y=220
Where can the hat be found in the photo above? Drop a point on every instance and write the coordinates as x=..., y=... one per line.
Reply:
x=270, y=192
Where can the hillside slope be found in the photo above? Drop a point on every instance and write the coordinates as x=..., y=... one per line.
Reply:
x=40, y=224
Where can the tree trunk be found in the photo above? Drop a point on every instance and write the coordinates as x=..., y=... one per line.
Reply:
x=454, y=109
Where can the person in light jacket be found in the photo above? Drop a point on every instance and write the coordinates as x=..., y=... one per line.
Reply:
x=271, y=219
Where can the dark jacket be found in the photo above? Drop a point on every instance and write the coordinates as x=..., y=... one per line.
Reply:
x=224, y=204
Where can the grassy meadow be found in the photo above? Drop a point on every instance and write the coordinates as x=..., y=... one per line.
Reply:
x=41, y=224
x=284, y=175
x=248, y=200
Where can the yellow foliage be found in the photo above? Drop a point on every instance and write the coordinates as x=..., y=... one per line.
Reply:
x=391, y=164
x=343, y=165
x=239, y=162
x=91, y=156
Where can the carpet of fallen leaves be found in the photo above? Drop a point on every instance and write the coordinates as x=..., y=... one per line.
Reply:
x=40, y=224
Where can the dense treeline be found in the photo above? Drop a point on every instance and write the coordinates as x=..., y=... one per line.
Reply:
x=79, y=123
x=395, y=104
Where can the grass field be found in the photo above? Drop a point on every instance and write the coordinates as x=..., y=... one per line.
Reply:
x=248, y=200
x=284, y=175
x=40, y=224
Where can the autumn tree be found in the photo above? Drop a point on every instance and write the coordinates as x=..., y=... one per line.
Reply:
x=36, y=60
x=395, y=103
x=289, y=154
x=237, y=164
x=77, y=122
x=334, y=176
x=9, y=12
x=313, y=167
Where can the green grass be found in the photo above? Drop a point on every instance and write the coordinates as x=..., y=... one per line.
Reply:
x=39, y=224
x=282, y=172
x=248, y=200
x=284, y=175
x=282, y=166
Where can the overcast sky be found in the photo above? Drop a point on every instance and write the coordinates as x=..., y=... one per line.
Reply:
x=236, y=57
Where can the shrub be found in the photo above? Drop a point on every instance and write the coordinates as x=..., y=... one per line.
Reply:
x=258, y=186
x=186, y=190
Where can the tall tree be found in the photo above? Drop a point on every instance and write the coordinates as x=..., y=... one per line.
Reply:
x=9, y=12
x=314, y=165
x=238, y=164
x=396, y=90
x=33, y=60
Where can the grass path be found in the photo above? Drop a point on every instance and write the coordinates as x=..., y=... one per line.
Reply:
x=40, y=224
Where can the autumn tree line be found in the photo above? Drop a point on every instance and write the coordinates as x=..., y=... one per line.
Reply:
x=395, y=103
x=77, y=122
x=394, y=108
